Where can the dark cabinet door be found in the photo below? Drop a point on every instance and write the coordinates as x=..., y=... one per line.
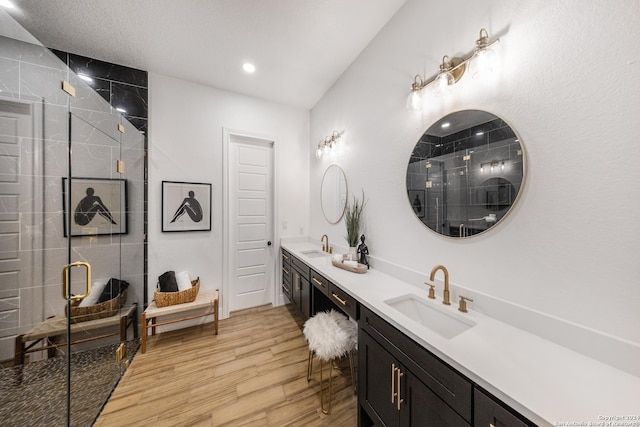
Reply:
x=296, y=287
x=376, y=389
x=488, y=412
x=422, y=407
x=305, y=298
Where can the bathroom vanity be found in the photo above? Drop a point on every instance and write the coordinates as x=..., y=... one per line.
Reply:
x=453, y=368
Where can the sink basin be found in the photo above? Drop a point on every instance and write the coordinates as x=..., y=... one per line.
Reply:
x=428, y=314
x=313, y=253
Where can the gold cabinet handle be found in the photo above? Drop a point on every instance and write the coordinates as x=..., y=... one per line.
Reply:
x=343, y=302
x=286, y=288
x=285, y=257
x=400, y=399
x=65, y=281
x=297, y=282
x=286, y=271
x=318, y=282
x=393, y=382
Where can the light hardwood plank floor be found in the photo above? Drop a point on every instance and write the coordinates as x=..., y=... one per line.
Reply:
x=253, y=373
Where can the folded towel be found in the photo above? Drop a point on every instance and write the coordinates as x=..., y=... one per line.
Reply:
x=351, y=263
x=338, y=257
x=184, y=283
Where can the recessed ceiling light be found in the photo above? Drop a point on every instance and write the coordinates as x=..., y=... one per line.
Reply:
x=248, y=67
x=83, y=76
x=7, y=4
x=446, y=125
x=122, y=110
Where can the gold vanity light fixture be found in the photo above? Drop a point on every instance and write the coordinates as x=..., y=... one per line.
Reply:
x=481, y=62
x=328, y=143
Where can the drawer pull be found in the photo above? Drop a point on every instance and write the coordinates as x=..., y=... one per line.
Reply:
x=343, y=302
x=285, y=270
x=286, y=288
x=400, y=399
x=393, y=382
x=318, y=282
x=285, y=257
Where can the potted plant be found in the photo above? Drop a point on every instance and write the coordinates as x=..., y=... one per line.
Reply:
x=353, y=222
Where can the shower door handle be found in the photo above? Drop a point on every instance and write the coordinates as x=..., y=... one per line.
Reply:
x=65, y=281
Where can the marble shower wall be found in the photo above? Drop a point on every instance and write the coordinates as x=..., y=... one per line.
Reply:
x=36, y=117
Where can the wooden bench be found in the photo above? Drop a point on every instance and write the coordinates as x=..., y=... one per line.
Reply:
x=204, y=300
x=56, y=326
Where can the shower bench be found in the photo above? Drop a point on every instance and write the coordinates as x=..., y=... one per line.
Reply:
x=56, y=326
x=204, y=300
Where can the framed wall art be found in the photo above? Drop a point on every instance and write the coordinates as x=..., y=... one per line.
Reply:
x=97, y=206
x=186, y=206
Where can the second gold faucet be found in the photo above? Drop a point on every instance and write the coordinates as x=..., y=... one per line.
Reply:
x=445, y=296
x=325, y=246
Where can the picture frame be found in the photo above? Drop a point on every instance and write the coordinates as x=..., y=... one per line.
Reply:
x=416, y=197
x=186, y=206
x=98, y=206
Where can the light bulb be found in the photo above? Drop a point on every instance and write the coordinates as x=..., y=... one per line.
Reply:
x=414, y=100
x=484, y=62
x=442, y=83
x=318, y=153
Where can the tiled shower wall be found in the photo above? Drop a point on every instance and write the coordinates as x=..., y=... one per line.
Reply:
x=36, y=117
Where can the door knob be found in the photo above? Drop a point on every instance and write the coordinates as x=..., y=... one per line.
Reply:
x=269, y=243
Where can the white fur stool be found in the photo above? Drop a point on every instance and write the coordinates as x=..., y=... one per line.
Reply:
x=330, y=335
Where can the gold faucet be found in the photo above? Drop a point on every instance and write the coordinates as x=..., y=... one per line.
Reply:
x=325, y=246
x=445, y=297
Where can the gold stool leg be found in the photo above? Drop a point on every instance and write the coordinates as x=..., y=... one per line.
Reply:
x=322, y=388
x=309, y=365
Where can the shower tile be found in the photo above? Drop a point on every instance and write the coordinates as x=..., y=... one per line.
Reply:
x=107, y=71
x=9, y=81
x=106, y=122
x=86, y=96
x=43, y=82
x=132, y=99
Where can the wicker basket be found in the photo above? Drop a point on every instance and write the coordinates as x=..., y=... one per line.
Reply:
x=164, y=299
x=97, y=311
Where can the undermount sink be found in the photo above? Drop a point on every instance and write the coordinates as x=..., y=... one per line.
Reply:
x=428, y=314
x=313, y=253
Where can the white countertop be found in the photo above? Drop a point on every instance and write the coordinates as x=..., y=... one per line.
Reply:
x=547, y=383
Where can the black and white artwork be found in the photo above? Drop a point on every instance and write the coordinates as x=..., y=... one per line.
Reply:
x=417, y=202
x=94, y=206
x=186, y=206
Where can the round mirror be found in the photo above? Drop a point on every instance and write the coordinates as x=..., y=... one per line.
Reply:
x=465, y=173
x=333, y=193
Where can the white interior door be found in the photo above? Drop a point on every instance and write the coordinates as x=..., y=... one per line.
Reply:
x=21, y=222
x=250, y=222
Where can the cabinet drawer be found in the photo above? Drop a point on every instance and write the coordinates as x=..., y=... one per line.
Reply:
x=286, y=290
x=286, y=273
x=450, y=386
x=487, y=411
x=286, y=257
x=346, y=302
x=320, y=282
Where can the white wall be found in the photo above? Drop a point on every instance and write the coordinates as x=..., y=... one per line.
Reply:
x=568, y=85
x=185, y=144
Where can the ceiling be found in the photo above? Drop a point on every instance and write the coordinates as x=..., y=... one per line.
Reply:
x=299, y=47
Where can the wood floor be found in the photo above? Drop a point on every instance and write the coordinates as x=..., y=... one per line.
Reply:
x=253, y=373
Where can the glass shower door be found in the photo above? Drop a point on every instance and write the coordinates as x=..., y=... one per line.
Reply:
x=95, y=293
